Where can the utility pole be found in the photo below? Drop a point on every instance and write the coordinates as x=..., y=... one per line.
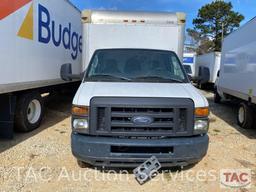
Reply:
x=222, y=34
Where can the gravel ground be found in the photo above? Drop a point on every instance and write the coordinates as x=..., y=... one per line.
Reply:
x=42, y=160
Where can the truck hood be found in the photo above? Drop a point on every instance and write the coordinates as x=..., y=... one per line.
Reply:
x=89, y=90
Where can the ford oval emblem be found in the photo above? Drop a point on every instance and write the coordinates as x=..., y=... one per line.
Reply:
x=142, y=120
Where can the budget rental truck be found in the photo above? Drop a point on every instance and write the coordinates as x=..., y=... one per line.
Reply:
x=135, y=100
x=237, y=77
x=37, y=37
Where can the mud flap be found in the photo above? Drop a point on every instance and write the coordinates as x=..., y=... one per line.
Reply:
x=7, y=112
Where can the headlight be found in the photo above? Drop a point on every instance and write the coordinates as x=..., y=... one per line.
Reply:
x=201, y=120
x=201, y=126
x=81, y=125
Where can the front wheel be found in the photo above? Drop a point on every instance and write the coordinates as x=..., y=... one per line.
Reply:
x=29, y=112
x=245, y=116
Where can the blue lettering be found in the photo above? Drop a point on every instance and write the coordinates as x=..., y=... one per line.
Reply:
x=66, y=36
x=74, y=45
x=56, y=42
x=49, y=30
x=44, y=25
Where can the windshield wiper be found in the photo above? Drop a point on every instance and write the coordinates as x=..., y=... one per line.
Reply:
x=109, y=77
x=159, y=78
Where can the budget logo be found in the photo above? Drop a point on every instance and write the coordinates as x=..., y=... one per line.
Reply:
x=27, y=27
x=49, y=30
x=235, y=178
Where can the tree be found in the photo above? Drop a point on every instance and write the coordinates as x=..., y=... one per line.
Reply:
x=202, y=44
x=215, y=21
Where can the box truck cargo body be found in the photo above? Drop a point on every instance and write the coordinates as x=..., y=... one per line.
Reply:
x=207, y=67
x=136, y=100
x=37, y=37
x=237, y=79
x=189, y=62
x=103, y=29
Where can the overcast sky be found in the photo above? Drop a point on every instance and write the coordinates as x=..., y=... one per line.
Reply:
x=246, y=7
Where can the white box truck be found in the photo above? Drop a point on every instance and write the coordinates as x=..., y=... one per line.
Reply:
x=207, y=67
x=189, y=63
x=237, y=78
x=37, y=37
x=135, y=100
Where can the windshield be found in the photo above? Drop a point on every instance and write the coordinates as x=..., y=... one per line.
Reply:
x=135, y=65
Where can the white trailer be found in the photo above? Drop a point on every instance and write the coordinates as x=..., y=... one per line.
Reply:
x=207, y=67
x=189, y=63
x=237, y=79
x=144, y=30
x=37, y=37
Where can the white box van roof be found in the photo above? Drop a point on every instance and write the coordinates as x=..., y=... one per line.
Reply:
x=135, y=17
x=240, y=28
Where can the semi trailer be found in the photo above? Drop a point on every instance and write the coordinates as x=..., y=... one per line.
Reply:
x=237, y=77
x=136, y=100
x=36, y=37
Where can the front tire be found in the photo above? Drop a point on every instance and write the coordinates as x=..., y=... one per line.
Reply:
x=245, y=116
x=29, y=112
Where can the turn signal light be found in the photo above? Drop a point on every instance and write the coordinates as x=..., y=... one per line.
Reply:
x=202, y=112
x=80, y=110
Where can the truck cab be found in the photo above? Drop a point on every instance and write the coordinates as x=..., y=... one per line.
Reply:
x=136, y=101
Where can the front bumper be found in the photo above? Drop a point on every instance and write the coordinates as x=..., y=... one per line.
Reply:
x=97, y=150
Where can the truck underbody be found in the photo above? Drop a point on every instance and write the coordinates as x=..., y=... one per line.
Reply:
x=16, y=110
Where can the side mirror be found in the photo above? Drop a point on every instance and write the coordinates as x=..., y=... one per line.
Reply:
x=66, y=73
x=218, y=74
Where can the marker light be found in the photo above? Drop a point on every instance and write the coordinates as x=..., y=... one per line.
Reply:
x=202, y=112
x=80, y=110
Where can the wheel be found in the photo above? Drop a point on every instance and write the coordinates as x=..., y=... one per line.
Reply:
x=29, y=112
x=245, y=116
x=217, y=97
